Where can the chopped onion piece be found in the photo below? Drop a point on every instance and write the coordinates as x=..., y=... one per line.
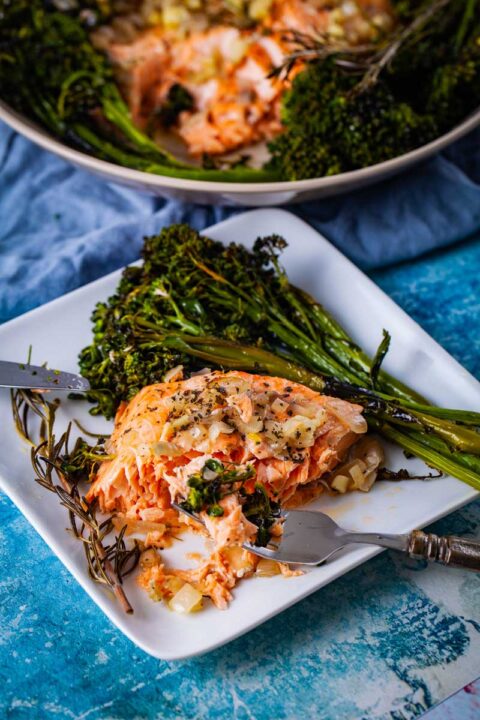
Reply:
x=310, y=410
x=258, y=9
x=254, y=425
x=217, y=428
x=182, y=420
x=357, y=424
x=369, y=481
x=357, y=475
x=238, y=50
x=234, y=385
x=208, y=474
x=370, y=453
x=279, y=406
x=341, y=484
x=349, y=8
x=267, y=568
x=163, y=448
x=175, y=373
x=203, y=371
x=186, y=600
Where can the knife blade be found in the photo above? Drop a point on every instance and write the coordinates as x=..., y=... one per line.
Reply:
x=33, y=377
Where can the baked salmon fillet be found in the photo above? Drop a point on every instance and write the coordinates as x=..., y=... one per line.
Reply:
x=266, y=431
x=233, y=447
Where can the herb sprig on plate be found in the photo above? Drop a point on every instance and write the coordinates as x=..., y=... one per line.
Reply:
x=62, y=470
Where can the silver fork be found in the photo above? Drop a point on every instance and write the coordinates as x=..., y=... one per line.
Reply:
x=311, y=538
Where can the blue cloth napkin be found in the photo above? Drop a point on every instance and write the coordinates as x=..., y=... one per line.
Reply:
x=61, y=227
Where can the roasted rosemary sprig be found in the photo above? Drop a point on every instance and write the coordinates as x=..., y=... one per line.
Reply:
x=368, y=60
x=62, y=471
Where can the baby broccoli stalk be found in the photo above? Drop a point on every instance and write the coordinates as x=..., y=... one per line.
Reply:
x=436, y=441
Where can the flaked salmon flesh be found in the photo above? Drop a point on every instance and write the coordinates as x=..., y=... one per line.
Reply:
x=289, y=434
x=226, y=70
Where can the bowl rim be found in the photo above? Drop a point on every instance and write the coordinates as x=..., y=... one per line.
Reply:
x=130, y=176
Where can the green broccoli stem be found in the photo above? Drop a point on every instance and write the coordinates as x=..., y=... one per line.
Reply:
x=457, y=437
x=427, y=454
x=44, y=111
x=333, y=353
x=225, y=354
x=321, y=317
x=339, y=344
x=463, y=417
x=266, y=310
x=117, y=112
x=468, y=460
x=310, y=353
x=106, y=150
x=467, y=18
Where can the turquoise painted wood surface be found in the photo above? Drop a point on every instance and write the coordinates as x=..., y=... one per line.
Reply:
x=385, y=642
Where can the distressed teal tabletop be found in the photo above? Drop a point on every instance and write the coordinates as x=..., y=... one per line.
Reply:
x=387, y=641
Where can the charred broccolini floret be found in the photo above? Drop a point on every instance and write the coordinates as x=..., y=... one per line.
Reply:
x=329, y=130
x=398, y=96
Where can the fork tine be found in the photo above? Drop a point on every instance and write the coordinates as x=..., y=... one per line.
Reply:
x=289, y=557
x=263, y=552
x=191, y=515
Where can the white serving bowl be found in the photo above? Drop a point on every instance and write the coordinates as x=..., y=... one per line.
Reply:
x=246, y=194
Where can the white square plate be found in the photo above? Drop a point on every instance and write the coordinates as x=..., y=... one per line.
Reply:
x=59, y=330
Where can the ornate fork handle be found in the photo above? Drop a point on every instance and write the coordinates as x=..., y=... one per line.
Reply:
x=449, y=550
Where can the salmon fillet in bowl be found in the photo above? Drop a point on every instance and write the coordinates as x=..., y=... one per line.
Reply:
x=234, y=102
x=221, y=64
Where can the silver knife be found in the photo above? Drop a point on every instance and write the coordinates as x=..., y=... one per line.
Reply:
x=32, y=377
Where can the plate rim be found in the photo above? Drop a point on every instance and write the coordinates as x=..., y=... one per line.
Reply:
x=341, y=181
x=356, y=557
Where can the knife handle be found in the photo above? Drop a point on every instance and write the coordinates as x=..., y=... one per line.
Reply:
x=448, y=550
